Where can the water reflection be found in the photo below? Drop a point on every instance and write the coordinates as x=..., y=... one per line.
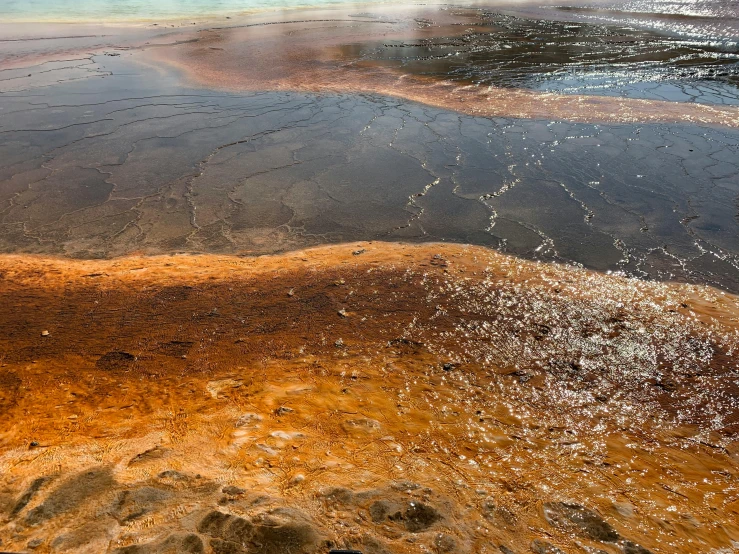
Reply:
x=570, y=57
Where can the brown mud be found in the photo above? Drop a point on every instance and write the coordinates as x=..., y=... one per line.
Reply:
x=386, y=397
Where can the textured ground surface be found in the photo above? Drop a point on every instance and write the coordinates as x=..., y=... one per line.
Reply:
x=393, y=398
x=398, y=399
x=118, y=158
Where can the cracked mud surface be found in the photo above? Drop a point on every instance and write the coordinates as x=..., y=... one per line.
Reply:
x=391, y=398
x=102, y=157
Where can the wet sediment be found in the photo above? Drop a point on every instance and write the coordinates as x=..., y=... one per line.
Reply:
x=380, y=396
x=115, y=163
x=585, y=58
x=111, y=154
x=478, y=62
x=385, y=397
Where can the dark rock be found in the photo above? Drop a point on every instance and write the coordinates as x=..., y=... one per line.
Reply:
x=35, y=543
x=238, y=530
x=155, y=453
x=338, y=495
x=174, y=475
x=228, y=528
x=219, y=546
x=214, y=523
x=101, y=529
x=415, y=515
x=419, y=517
x=7, y=502
x=506, y=516
x=370, y=545
x=565, y=516
x=275, y=532
x=384, y=509
x=633, y=548
x=28, y=495
x=445, y=543
x=499, y=514
x=188, y=543
x=232, y=490
x=134, y=503
x=505, y=550
x=543, y=547
x=285, y=530
x=72, y=493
